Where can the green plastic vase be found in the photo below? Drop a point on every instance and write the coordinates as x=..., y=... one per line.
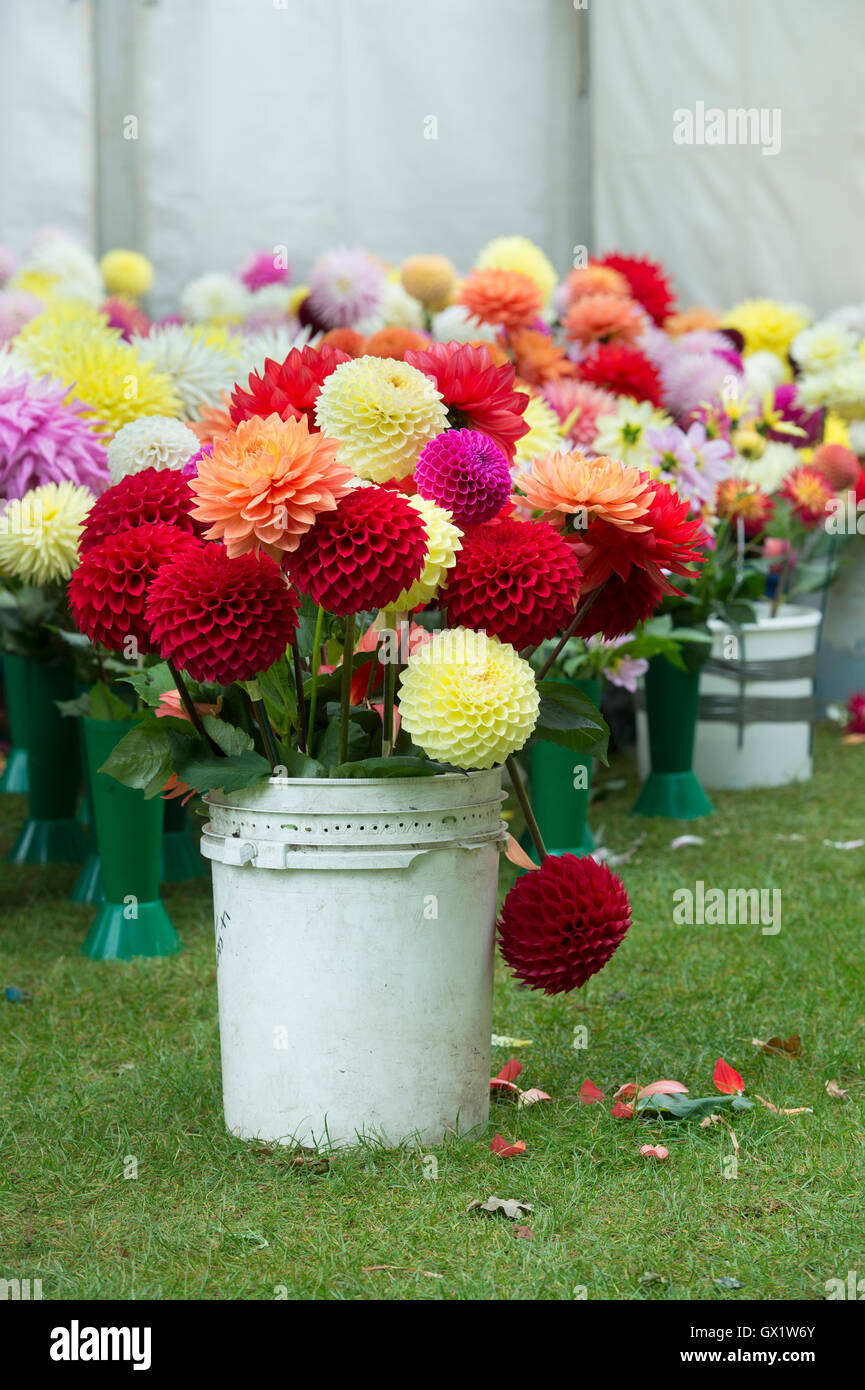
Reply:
x=88, y=885
x=560, y=783
x=51, y=834
x=132, y=920
x=181, y=859
x=14, y=778
x=671, y=788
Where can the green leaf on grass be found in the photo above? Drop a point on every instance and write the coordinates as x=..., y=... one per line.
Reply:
x=681, y=1107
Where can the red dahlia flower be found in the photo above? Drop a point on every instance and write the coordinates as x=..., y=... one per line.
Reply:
x=108, y=591
x=288, y=389
x=362, y=555
x=809, y=492
x=620, y=605
x=623, y=370
x=670, y=543
x=560, y=923
x=221, y=618
x=648, y=282
x=517, y=580
x=478, y=394
x=139, y=499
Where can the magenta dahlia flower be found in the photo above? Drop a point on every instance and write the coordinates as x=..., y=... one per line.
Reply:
x=465, y=472
x=261, y=269
x=43, y=438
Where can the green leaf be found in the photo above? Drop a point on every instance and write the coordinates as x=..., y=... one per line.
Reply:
x=386, y=767
x=205, y=771
x=327, y=747
x=227, y=736
x=151, y=683
x=75, y=709
x=104, y=704
x=142, y=758
x=568, y=718
x=680, y=1107
x=297, y=764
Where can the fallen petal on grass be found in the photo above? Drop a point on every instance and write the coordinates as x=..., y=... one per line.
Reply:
x=501, y=1147
x=654, y=1151
x=836, y=1092
x=727, y=1079
x=589, y=1093
x=532, y=1096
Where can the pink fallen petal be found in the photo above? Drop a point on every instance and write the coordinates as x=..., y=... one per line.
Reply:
x=504, y=1080
x=517, y=855
x=663, y=1088
x=654, y=1151
x=626, y=1092
x=533, y=1096
x=589, y=1093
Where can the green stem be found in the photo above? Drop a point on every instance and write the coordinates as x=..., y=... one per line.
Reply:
x=315, y=661
x=345, y=694
x=519, y=787
x=572, y=627
x=192, y=712
x=301, y=702
x=259, y=714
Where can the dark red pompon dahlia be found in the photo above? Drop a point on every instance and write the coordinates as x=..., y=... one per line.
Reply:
x=648, y=282
x=140, y=499
x=517, y=580
x=362, y=555
x=623, y=370
x=221, y=618
x=108, y=591
x=288, y=389
x=620, y=605
x=561, y=923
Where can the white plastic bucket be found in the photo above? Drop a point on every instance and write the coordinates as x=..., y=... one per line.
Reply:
x=355, y=924
x=743, y=750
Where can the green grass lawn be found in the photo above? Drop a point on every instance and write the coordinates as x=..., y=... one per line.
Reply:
x=108, y=1061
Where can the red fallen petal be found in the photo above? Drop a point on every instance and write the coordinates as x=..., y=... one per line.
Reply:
x=497, y=1085
x=654, y=1151
x=510, y=1071
x=727, y=1079
x=626, y=1092
x=621, y=1111
x=589, y=1093
x=663, y=1088
x=500, y=1146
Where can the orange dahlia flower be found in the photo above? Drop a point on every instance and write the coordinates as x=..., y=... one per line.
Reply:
x=393, y=342
x=693, y=320
x=537, y=358
x=603, y=318
x=346, y=340
x=266, y=482
x=560, y=485
x=505, y=297
x=595, y=279
x=213, y=421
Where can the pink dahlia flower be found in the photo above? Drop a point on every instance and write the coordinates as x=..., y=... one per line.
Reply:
x=43, y=439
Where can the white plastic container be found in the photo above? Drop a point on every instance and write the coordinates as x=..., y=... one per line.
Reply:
x=355, y=924
x=767, y=752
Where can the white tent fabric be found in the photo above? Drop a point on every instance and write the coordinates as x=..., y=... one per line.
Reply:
x=728, y=220
x=306, y=123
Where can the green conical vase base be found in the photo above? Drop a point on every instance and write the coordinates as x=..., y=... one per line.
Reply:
x=677, y=795
x=88, y=885
x=15, y=780
x=49, y=842
x=114, y=936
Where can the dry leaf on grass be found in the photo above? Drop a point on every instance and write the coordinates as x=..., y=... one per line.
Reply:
x=401, y=1269
x=523, y=1232
x=789, y=1048
x=505, y=1206
x=836, y=1092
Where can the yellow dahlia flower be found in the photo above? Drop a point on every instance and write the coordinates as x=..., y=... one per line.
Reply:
x=518, y=253
x=545, y=435
x=115, y=384
x=431, y=279
x=39, y=533
x=443, y=541
x=767, y=325
x=296, y=297
x=468, y=699
x=127, y=273
x=382, y=412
